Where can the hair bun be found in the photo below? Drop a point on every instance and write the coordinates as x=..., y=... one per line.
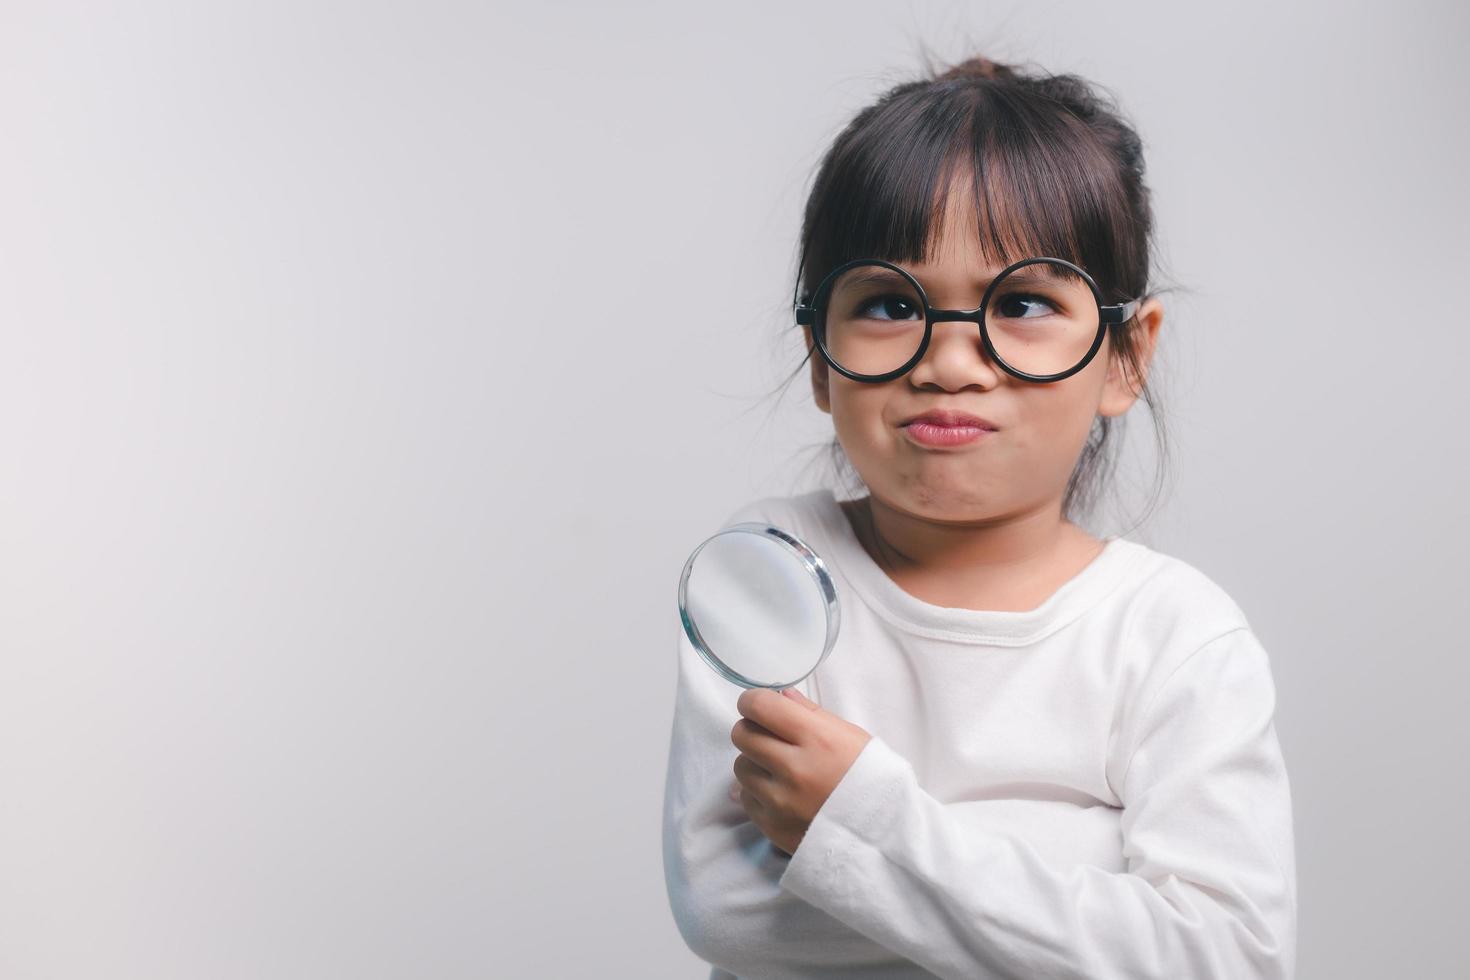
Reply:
x=977, y=67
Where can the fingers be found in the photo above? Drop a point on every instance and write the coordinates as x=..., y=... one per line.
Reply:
x=779, y=715
x=801, y=699
x=748, y=772
x=755, y=783
x=762, y=746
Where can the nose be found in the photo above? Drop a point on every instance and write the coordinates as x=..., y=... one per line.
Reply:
x=956, y=356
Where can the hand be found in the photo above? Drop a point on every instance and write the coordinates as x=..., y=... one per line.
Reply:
x=793, y=753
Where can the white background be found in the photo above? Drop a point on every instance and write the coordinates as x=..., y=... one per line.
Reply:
x=368, y=370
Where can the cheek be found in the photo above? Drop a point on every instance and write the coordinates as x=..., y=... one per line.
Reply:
x=1057, y=430
x=857, y=412
x=1057, y=413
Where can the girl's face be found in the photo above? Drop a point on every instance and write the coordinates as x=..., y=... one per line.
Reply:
x=1019, y=470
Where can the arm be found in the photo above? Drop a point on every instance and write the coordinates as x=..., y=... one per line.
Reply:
x=1210, y=890
x=723, y=875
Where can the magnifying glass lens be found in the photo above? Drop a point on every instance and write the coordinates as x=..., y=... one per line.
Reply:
x=758, y=605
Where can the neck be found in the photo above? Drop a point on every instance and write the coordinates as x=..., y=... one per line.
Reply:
x=1003, y=562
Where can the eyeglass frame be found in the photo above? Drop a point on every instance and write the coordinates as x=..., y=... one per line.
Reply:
x=1108, y=315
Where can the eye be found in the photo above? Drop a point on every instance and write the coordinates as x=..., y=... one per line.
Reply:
x=891, y=307
x=1010, y=305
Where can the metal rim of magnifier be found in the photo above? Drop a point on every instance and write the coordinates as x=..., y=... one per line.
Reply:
x=809, y=560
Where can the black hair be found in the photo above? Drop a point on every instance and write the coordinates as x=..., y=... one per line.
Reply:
x=1057, y=170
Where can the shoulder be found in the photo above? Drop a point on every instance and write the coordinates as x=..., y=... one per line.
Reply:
x=1184, y=632
x=1172, y=609
x=1170, y=592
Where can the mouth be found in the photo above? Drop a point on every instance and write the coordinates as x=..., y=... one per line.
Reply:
x=949, y=419
x=941, y=428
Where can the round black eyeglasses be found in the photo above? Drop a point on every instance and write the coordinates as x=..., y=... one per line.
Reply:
x=1041, y=319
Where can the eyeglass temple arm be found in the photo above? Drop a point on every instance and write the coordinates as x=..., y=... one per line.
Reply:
x=1120, y=313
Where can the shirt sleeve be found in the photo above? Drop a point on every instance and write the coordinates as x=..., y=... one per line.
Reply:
x=1210, y=886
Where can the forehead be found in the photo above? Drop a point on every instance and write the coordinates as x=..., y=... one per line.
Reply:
x=967, y=244
x=967, y=236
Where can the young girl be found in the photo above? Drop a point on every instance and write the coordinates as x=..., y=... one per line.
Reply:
x=1032, y=752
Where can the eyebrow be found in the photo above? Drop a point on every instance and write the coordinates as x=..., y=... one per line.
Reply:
x=878, y=277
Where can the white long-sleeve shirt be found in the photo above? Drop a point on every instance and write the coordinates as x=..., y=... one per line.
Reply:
x=1090, y=789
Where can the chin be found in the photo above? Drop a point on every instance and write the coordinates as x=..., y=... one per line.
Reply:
x=951, y=499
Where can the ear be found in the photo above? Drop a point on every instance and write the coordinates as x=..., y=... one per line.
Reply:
x=820, y=392
x=1122, y=388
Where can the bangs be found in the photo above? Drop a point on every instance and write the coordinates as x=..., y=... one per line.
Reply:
x=1040, y=184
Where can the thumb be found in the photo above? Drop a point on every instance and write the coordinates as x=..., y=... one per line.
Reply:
x=801, y=699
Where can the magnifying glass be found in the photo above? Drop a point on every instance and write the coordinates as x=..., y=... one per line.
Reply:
x=759, y=605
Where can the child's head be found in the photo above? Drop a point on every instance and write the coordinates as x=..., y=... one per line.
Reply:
x=953, y=178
